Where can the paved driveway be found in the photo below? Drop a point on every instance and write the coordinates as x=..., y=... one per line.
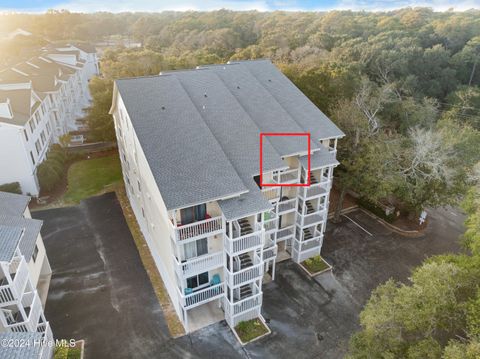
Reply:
x=100, y=291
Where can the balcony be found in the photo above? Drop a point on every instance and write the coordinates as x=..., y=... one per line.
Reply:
x=285, y=233
x=246, y=275
x=243, y=243
x=312, y=218
x=33, y=307
x=314, y=190
x=47, y=347
x=270, y=250
x=270, y=223
x=202, y=296
x=271, y=193
x=199, y=264
x=287, y=206
x=196, y=230
x=288, y=176
x=307, y=248
x=18, y=272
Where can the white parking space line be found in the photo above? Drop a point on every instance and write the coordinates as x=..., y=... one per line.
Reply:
x=359, y=226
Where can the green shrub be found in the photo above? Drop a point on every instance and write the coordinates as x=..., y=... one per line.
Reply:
x=51, y=171
x=378, y=211
x=250, y=329
x=315, y=264
x=13, y=187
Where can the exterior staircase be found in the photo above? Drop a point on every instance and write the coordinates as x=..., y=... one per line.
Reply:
x=310, y=208
x=245, y=261
x=307, y=234
x=245, y=291
x=245, y=227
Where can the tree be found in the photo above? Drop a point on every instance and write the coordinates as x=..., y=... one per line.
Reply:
x=365, y=155
x=100, y=122
x=52, y=170
x=436, y=315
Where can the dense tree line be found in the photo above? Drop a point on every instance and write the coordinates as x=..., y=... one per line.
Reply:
x=403, y=85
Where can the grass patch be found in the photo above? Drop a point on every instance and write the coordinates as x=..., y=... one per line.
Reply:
x=67, y=353
x=173, y=322
x=89, y=177
x=250, y=329
x=315, y=264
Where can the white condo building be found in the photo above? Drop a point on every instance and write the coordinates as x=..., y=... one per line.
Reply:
x=40, y=101
x=24, y=281
x=189, y=143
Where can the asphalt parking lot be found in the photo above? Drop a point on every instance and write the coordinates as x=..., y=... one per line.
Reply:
x=100, y=291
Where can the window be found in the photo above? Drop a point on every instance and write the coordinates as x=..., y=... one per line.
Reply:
x=26, y=136
x=143, y=212
x=48, y=128
x=33, y=158
x=32, y=125
x=196, y=248
x=38, y=146
x=37, y=117
x=197, y=280
x=42, y=136
x=35, y=254
x=139, y=187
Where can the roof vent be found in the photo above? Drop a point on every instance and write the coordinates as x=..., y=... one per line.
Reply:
x=163, y=107
x=204, y=107
x=269, y=80
x=205, y=95
x=238, y=87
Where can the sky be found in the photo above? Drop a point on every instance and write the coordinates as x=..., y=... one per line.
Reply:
x=261, y=5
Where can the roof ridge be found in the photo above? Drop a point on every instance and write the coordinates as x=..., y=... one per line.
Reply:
x=210, y=130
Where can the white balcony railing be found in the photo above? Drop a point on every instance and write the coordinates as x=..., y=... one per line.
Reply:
x=285, y=232
x=9, y=293
x=288, y=176
x=47, y=341
x=311, y=219
x=245, y=275
x=269, y=253
x=31, y=300
x=201, y=229
x=243, y=243
x=271, y=193
x=287, y=206
x=301, y=256
x=202, y=296
x=199, y=264
x=314, y=190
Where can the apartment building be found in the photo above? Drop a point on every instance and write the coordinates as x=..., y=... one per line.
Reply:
x=189, y=143
x=41, y=99
x=24, y=280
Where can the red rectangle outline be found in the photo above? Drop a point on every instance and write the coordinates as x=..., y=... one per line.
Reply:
x=307, y=134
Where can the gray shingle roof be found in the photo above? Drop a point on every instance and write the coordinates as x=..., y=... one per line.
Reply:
x=9, y=239
x=12, y=204
x=31, y=348
x=321, y=158
x=32, y=230
x=186, y=160
x=208, y=121
x=262, y=108
x=298, y=106
x=20, y=102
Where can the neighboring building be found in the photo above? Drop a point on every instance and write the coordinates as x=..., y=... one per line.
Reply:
x=24, y=278
x=189, y=147
x=41, y=100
